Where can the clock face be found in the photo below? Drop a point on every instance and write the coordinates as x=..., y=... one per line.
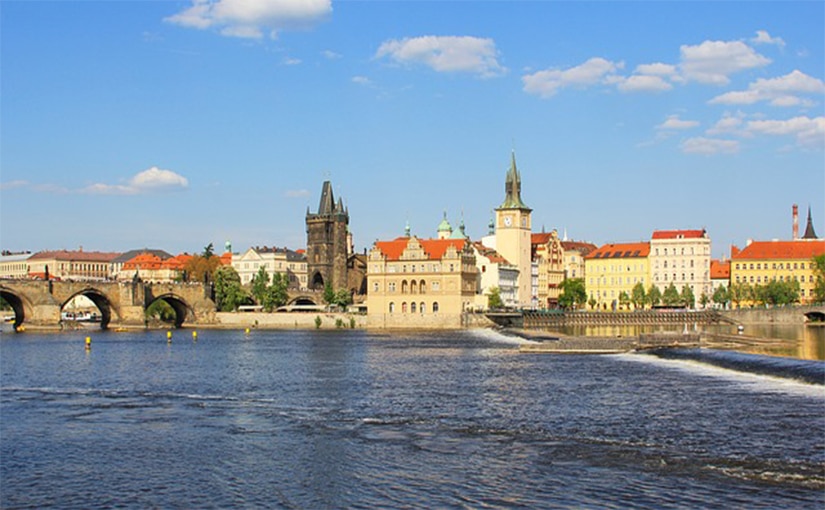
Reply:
x=507, y=221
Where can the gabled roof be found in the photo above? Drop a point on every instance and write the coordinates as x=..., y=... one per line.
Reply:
x=679, y=234
x=621, y=251
x=120, y=259
x=143, y=261
x=579, y=246
x=781, y=250
x=433, y=248
x=492, y=255
x=178, y=262
x=720, y=269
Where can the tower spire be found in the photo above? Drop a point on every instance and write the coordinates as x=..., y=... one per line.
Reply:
x=809, y=228
x=512, y=187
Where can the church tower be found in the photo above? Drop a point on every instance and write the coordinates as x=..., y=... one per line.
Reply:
x=513, y=231
x=327, y=244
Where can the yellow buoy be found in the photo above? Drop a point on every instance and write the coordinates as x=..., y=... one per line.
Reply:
x=168, y=336
x=195, y=336
x=246, y=331
x=88, y=342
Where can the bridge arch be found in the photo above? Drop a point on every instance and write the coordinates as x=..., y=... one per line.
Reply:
x=302, y=300
x=184, y=312
x=19, y=305
x=100, y=300
x=815, y=316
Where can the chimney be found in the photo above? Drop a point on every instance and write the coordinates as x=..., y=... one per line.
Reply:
x=795, y=222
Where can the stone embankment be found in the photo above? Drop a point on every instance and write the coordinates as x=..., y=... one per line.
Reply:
x=294, y=320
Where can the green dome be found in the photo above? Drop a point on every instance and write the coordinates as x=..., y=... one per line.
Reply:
x=445, y=226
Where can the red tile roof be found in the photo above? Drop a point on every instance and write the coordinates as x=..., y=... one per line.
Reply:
x=621, y=251
x=762, y=250
x=494, y=256
x=178, y=262
x=720, y=269
x=541, y=238
x=143, y=261
x=579, y=246
x=675, y=234
x=434, y=248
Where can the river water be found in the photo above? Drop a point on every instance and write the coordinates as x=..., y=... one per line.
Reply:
x=351, y=419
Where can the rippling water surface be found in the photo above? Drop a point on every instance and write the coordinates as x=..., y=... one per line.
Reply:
x=349, y=419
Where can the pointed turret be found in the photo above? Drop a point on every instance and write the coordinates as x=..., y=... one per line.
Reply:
x=444, y=228
x=809, y=228
x=512, y=187
x=327, y=204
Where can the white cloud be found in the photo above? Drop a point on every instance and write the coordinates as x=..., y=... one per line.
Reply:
x=446, y=54
x=296, y=193
x=289, y=61
x=546, y=83
x=13, y=184
x=709, y=146
x=251, y=18
x=781, y=91
x=674, y=122
x=728, y=125
x=152, y=179
x=656, y=69
x=644, y=83
x=809, y=133
x=330, y=55
x=713, y=61
x=362, y=80
x=763, y=37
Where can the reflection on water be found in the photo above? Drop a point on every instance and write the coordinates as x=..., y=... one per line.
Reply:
x=790, y=340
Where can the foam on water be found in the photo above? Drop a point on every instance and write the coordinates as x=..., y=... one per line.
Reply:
x=496, y=336
x=759, y=383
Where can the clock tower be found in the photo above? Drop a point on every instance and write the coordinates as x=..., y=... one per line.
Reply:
x=513, y=232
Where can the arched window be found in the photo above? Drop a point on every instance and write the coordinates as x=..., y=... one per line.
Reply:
x=435, y=307
x=412, y=307
x=422, y=308
x=422, y=287
x=392, y=307
x=414, y=287
x=404, y=287
x=404, y=307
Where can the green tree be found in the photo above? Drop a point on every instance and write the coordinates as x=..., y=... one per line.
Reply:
x=343, y=298
x=739, y=292
x=161, y=310
x=704, y=300
x=818, y=265
x=277, y=294
x=260, y=285
x=778, y=293
x=654, y=296
x=208, y=251
x=494, y=301
x=592, y=302
x=721, y=296
x=624, y=299
x=229, y=293
x=329, y=294
x=638, y=296
x=670, y=297
x=687, y=297
x=573, y=293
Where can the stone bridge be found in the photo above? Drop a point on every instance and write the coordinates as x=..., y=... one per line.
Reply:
x=121, y=304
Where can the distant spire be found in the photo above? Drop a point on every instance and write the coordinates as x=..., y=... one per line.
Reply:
x=512, y=187
x=809, y=228
x=491, y=227
x=407, y=229
x=565, y=234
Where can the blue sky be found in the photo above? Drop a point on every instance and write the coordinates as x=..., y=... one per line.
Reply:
x=171, y=124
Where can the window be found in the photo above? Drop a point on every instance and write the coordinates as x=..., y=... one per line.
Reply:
x=422, y=308
x=404, y=307
x=375, y=287
x=412, y=305
x=435, y=307
x=422, y=287
x=404, y=287
x=392, y=307
x=436, y=287
x=413, y=287
x=391, y=286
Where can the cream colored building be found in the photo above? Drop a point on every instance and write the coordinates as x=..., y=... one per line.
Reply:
x=616, y=268
x=574, y=254
x=72, y=265
x=548, y=253
x=495, y=271
x=420, y=283
x=681, y=258
x=513, y=227
x=14, y=265
x=274, y=260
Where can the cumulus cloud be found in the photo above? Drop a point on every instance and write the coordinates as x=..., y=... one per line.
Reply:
x=729, y=124
x=709, y=146
x=463, y=54
x=594, y=71
x=763, y=37
x=809, y=132
x=251, y=18
x=713, y=61
x=780, y=91
x=151, y=180
x=674, y=122
x=644, y=83
x=362, y=80
x=19, y=183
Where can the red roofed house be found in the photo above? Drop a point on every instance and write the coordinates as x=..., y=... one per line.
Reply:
x=719, y=274
x=495, y=271
x=681, y=258
x=784, y=261
x=612, y=272
x=72, y=265
x=420, y=283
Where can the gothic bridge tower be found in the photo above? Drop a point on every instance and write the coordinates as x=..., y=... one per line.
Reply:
x=327, y=247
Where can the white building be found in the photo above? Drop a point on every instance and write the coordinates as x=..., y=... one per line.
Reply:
x=681, y=258
x=14, y=265
x=274, y=260
x=495, y=271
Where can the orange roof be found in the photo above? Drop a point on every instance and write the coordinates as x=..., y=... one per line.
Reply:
x=678, y=234
x=542, y=238
x=177, y=262
x=226, y=259
x=143, y=260
x=621, y=251
x=762, y=250
x=494, y=256
x=434, y=248
x=579, y=246
x=720, y=269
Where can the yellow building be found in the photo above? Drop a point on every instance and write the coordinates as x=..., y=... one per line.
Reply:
x=549, y=253
x=616, y=268
x=420, y=283
x=763, y=261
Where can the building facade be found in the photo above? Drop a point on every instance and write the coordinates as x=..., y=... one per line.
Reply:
x=420, y=283
x=495, y=271
x=548, y=253
x=614, y=269
x=328, y=242
x=681, y=258
x=72, y=265
x=14, y=265
x=761, y=262
x=291, y=263
x=513, y=227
